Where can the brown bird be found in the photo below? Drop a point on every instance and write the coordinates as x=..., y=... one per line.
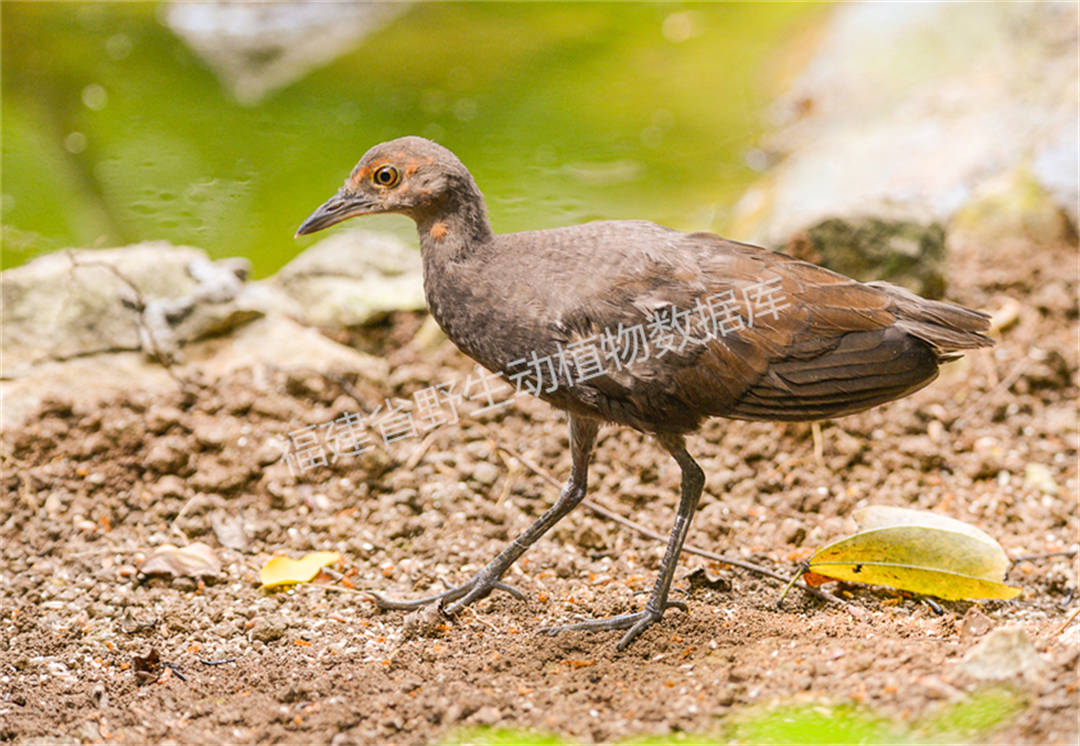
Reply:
x=637, y=324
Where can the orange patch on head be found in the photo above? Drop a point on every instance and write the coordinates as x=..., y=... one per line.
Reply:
x=438, y=231
x=411, y=166
x=359, y=174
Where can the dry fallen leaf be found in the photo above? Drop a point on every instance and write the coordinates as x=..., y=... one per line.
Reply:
x=195, y=560
x=917, y=551
x=283, y=570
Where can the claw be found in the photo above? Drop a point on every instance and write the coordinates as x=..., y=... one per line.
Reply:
x=636, y=623
x=451, y=601
x=479, y=591
x=509, y=589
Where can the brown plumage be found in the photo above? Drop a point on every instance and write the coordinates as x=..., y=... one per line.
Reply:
x=737, y=331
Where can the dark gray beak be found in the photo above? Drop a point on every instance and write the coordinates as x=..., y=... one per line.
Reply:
x=341, y=206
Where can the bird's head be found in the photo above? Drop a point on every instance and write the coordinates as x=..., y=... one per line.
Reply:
x=409, y=175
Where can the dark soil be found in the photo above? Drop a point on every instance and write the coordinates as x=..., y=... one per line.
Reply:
x=88, y=493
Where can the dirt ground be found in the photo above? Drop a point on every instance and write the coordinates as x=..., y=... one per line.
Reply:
x=90, y=491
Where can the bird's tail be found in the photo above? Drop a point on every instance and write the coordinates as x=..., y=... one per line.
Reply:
x=947, y=327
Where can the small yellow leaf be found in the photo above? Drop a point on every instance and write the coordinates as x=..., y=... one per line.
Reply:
x=283, y=570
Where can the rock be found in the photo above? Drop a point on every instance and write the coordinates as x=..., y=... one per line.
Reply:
x=895, y=120
x=169, y=485
x=485, y=473
x=487, y=715
x=273, y=340
x=55, y=310
x=229, y=530
x=907, y=252
x=167, y=455
x=424, y=622
x=1002, y=654
x=268, y=630
x=700, y=578
x=975, y=623
x=1039, y=476
x=352, y=278
x=1015, y=203
x=256, y=48
x=590, y=539
x=80, y=302
x=196, y=560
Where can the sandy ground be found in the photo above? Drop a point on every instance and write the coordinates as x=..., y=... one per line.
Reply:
x=88, y=493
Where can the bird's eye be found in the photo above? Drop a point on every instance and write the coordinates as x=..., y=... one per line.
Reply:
x=386, y=176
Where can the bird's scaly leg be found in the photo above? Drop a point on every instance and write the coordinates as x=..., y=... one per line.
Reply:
x=693, y=480
x=582, y=437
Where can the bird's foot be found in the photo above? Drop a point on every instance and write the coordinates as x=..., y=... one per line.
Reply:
x=635, y=623
x=453, y=600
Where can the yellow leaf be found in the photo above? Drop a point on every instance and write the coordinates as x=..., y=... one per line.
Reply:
x=917, y=551
x=283, y=570
x=940, y=583
x=884, y=516
x=918, y=546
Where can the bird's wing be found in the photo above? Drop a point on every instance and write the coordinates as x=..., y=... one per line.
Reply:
x=766, y=337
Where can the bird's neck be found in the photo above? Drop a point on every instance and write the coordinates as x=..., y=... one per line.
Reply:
x=457, y=229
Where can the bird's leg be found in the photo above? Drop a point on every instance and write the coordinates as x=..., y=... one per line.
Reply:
x=693, y=480
x=582, y=437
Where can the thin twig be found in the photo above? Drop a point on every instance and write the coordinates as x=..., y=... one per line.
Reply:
x=177, y=671
x=340, y=588
x=139, y=305
x=1044, y=555
x=220, y=662
x=93, y=553
x=183, y=510
x=819, y=443
x=1003, y=385
x=649, y=533
x=420, y=450
x=1068, y=621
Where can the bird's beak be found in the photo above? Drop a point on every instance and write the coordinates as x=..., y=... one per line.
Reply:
x=341, y=206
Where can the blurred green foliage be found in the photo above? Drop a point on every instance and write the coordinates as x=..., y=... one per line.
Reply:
x=115, y=132
x=964, y=722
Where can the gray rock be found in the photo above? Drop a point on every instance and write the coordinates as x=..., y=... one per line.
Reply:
x=274, y=341
x=54, y=309
x=229, y=530
x=485, y=473
x=268, y=630
x=907, y=252
x=256, y=48
x=151, y=296
x=352, y=278
x=908, y=109
x=1002, y=654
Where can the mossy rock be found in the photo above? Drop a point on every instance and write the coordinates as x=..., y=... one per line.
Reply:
x=908, y=253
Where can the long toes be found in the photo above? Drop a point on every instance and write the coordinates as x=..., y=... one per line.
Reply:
x=636, y=623
x=451, y=601
x=635, y=631
x=646, y=620
x=383, y=602
x=478, y=591
x=406, y=604
x=500, y=586
x=595, y=625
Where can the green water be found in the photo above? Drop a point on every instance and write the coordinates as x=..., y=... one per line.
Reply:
x=115, y=132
